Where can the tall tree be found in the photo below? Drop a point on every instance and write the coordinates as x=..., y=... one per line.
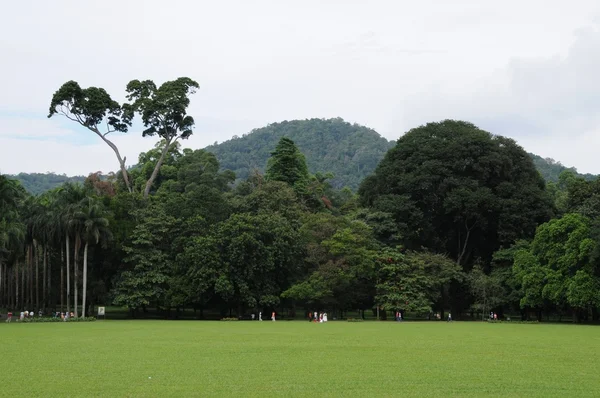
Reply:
x=287, y=164
x=459, y=190
x=93, y=108
x=164, y=113
x=94, y=226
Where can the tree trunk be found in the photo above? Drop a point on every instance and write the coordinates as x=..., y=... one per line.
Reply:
x=37, y=277
x=62, y=280
x=68, y=276
x=49, y=281
x=83, y=299
x=2, y=302
x=17, y=302
x=30, y=270
x=23, y=295
x=122, y=165
x=45, y=279
x=76, y=275
x=156, y=169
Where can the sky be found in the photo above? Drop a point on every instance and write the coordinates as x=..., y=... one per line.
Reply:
x=524, y=69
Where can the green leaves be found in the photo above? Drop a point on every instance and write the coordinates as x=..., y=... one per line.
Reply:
x=558, y=267
x=456, y=189
x=412, y=281
x=89, y=107
x=163, y=109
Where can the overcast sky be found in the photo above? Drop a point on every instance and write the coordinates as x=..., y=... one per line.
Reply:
x=526, y=69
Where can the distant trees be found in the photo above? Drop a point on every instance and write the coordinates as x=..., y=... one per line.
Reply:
x=453, y=218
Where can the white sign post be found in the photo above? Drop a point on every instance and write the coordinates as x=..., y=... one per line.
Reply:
x=101, y=312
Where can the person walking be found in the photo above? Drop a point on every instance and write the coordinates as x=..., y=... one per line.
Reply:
x=9, y=317
x=273, y=316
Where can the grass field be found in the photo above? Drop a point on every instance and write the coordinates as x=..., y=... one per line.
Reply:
x=192, y=358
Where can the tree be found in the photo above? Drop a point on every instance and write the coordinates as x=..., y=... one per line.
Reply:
x=412, y=281
x=287, y=164
x=249, y=257
x=558, y=267
x=94, y=226
x=456, y=189
x=163, y=110
x=92, y=108
x=145, y=280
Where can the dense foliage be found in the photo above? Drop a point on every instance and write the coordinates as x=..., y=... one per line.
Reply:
x=349, y=151
x=550, y=169
x=38, y=183
x=453, y=218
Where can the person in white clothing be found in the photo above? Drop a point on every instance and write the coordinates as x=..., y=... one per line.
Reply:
x=324, y=317
x=260, y=316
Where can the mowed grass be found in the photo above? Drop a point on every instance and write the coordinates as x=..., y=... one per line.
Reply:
x=369, y=359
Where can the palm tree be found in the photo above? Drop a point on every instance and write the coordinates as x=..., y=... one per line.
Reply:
x=93, y=226
x=70, y=196
x=11, y=231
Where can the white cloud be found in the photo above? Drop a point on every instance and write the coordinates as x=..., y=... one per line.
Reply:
x=519, y=68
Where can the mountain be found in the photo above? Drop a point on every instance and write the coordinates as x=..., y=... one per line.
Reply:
x=37, y=183
x=550, y=169
x=350, y=151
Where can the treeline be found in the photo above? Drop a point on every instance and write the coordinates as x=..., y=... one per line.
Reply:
x=38, y=183
x=453, y=219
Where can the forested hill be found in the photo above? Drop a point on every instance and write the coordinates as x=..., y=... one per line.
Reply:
x=350, y=151
x=550, y=169
x=37, y=183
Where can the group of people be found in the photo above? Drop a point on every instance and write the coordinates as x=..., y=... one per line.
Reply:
x=260, y=316
x=30, y=314
x=22, y=315
x=317, y=317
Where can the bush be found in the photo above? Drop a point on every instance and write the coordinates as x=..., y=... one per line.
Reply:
x=355, y=320
x=230, y=319
x=42, y=320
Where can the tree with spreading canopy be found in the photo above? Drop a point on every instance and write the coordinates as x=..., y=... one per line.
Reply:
x=94, y=109
x=164, y=113
x=456, y=189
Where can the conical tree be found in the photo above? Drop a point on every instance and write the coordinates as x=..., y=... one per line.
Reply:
x=288, y=164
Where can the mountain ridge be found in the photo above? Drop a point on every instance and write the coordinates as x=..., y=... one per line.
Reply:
x=349, y=150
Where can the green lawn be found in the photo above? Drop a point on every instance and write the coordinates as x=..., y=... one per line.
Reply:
x=193, y=358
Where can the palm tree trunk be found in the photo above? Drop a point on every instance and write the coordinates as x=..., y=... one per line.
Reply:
x=37, y=277
x=23, y=295
x=62, y=280
x=17, y=302
x=45, y=279
x=85, y=254
x=30, y=276
x=68, y=276
x=76, y=274
x=2, y=303
x=49, y=281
